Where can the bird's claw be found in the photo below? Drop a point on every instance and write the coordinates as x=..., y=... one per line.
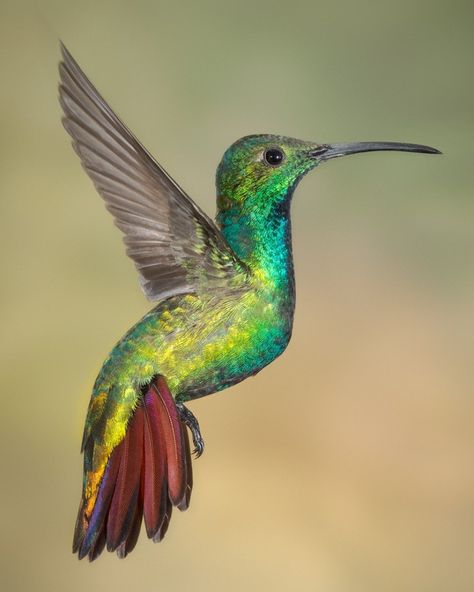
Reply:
x=188, y=418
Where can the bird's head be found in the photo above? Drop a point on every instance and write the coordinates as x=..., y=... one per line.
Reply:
x=260, y=171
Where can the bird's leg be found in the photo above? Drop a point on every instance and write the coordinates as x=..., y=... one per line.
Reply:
x=188, y=418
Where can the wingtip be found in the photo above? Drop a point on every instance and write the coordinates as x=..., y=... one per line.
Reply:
x=66, y=57
x=65, y=61
x=64, y=50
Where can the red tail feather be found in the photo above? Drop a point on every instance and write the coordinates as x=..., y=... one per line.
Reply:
x=173, y=438
x=155, y=483
x=147, y=473
x=127, y=488
x=129, y=543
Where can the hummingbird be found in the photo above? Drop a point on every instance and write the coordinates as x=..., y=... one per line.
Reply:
x=224, y=295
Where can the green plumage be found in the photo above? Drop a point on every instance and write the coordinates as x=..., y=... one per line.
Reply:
x=225, y=296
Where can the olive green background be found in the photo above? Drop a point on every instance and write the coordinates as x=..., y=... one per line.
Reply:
x=345, y=466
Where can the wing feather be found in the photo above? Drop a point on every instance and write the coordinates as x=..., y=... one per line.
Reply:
x=176, y=248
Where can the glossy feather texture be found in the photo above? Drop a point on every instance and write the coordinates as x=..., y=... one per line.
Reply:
x=235, y=318
x=174, y=245
x=147, y=474
x=225, y=301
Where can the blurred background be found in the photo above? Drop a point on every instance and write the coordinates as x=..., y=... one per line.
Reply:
x=347, y=465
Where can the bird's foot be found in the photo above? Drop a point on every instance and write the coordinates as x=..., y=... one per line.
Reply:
x=188, y=418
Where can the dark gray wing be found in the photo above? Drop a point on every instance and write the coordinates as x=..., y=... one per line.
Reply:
x=175, y=246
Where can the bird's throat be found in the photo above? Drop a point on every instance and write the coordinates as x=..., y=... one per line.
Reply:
x=262, y=240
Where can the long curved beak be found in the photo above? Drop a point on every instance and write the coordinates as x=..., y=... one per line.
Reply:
x=328, y=151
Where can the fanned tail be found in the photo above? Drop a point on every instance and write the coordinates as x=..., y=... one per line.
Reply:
x=147, y=474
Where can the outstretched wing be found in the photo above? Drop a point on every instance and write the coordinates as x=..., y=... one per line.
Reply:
x=174, y=245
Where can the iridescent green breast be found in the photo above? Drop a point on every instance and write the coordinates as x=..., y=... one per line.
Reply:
x=202, y=344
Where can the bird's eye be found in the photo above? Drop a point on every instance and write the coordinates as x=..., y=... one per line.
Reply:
x=273, y=156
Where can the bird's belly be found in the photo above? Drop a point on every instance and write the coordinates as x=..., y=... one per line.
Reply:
x=227, y=343
x=203, y=346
